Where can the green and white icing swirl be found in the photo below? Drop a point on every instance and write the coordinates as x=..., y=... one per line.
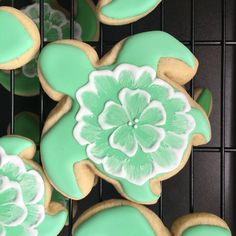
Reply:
x=21, y=197
x=141, y=127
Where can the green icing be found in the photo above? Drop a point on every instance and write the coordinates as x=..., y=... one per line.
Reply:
x=116, y=221
x=205, y=100
x=24, y=86
x=66, y=69
x=52, y=224
x=27, y=125
x=121, y=9
x=87, y=19
x=206, y=230
x=14, y=145
x=147, y=49
x=11, y=29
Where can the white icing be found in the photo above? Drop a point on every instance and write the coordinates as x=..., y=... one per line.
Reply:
x=16, y=162
x=136, y=72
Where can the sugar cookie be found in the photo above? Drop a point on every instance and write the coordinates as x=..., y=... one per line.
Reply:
x=25, y=194
x=119, y=217
x=14, y=25
x=120, y=12
x=200, y=224
x=125, y=117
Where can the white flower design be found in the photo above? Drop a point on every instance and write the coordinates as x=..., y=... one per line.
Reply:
x=21, y=196
x=135, y=125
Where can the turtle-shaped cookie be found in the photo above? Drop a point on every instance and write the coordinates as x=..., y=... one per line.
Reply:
x=125, y=117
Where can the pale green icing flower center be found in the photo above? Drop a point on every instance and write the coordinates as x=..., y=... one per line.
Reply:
x=21, y=196
x=133, y=124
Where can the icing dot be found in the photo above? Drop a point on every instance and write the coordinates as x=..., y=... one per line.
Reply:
x=129, y=123
x=135, y=126
x=136, y=120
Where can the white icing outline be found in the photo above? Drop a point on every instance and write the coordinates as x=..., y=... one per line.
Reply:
x=17, y=161
x=136, y=72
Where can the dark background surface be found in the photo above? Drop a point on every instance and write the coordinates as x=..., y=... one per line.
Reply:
x=209, y=166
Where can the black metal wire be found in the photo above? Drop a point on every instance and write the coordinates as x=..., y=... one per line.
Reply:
x=223, y=76
x=191, y=163
x=12, y=91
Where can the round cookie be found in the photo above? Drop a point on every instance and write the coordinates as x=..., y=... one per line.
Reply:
x=119, y=217
x=197, y=224
x=25, y=194
x=125, y=117
x=121, y=12
x=15, y=25
x=56, y=26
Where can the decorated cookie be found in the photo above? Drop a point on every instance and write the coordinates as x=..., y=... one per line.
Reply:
x=25, y=194
x=56, y=26
x=27, y=125
x=125, y=117
x=200, y=224
x=86, y=25
x=16, y=25
x=120, y=12
x=117, y=217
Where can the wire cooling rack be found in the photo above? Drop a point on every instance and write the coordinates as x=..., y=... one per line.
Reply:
x=188, y=182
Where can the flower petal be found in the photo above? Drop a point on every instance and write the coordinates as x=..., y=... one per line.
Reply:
x=181, y=123
x=32, y=186
x=86, y=133
x=90, y=101
x=11, y=167
x=57, y=18
x=113, y=165
x=144, y=80
x=8, y=195
x=112, y=116
x=134, y=101
x=123, y=140
x=11, y=214
x=97, y=151
x=154, y=114
x=165, y=157
x=175, y=141
x=138, y=170
x=32, y=11
x=106, y=86
x=178, y=103
x=160, y=90
x=126, y=79
x=149, y=137
x=35, y=215
x=53, y=33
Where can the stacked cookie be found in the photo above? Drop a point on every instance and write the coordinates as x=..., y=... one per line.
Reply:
x=125, y=118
